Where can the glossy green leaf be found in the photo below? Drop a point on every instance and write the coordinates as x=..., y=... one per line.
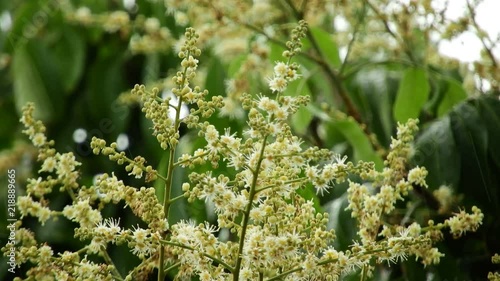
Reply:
x=489, y=108
x=301, y=119
x=412, y=94
x=105, y=83
x=471, y=138
x=23, y=26
x=329, y=133
x=341, y=221
x=309, y=193
x=371, y=92
x=29, y=85
x=69, y=55
x=216, y=75
x=326, y=44
x=435, y=149
x=363, y=149
x=453, y=95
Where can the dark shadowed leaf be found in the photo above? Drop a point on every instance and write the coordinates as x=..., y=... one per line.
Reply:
x=435, y=149
x=69, y=54
x=489, y=108
x=471, y=138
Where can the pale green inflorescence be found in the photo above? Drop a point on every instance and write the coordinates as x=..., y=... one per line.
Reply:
x=278, y=235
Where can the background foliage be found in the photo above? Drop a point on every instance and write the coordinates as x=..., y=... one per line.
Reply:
x=79, y=75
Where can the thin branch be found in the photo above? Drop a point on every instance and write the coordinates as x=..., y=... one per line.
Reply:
x=353, y=39
x=215, y=259
x=107, y=258
x=330, y=73
x=480, y=36
x=389, y=30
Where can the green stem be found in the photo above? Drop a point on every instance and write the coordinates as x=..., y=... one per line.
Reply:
x=284, y=182
x=109, y=261
x=335, y=80
x=357, y=27
x=404, y=43
x=167, y=202
x=488, y=50
x=172, y=266
x=176, y=198
x=168, y=182
x=246, y=215
x=215, y=259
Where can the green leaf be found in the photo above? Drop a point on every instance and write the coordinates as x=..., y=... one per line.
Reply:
x=23, y=26
x=309, y=193
x=341, y=221
x=471, y=138
x=10, y=123
x=159, y=184
x=29, y=85
x=235, y=65
x=326, y=44
x=453, y=95
x=412, y=94
x=363, y=149
x=371, y=91
x=276, y=53
x=301, y=119
x=435, y=149
x=489, y=108
x=216, y=75
x=151, y=69
x=69, y=55
x=105, y=83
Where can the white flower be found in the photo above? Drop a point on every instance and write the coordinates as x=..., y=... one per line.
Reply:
x=39, y=139
x=211, y=135
x=277, y=84
x=280, y=69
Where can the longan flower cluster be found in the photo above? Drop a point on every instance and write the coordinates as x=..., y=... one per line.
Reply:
x=275, y=233
x=287, y=72
x=165, y=128
x=60, y=170
x=143, y=202
x=463, y=222
x=111, y=22
x=270, y=168
x=494, y=276
x=256, y=62
x=136, y=167
x=368, y=203
x=35, y=130
x=148, y=36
